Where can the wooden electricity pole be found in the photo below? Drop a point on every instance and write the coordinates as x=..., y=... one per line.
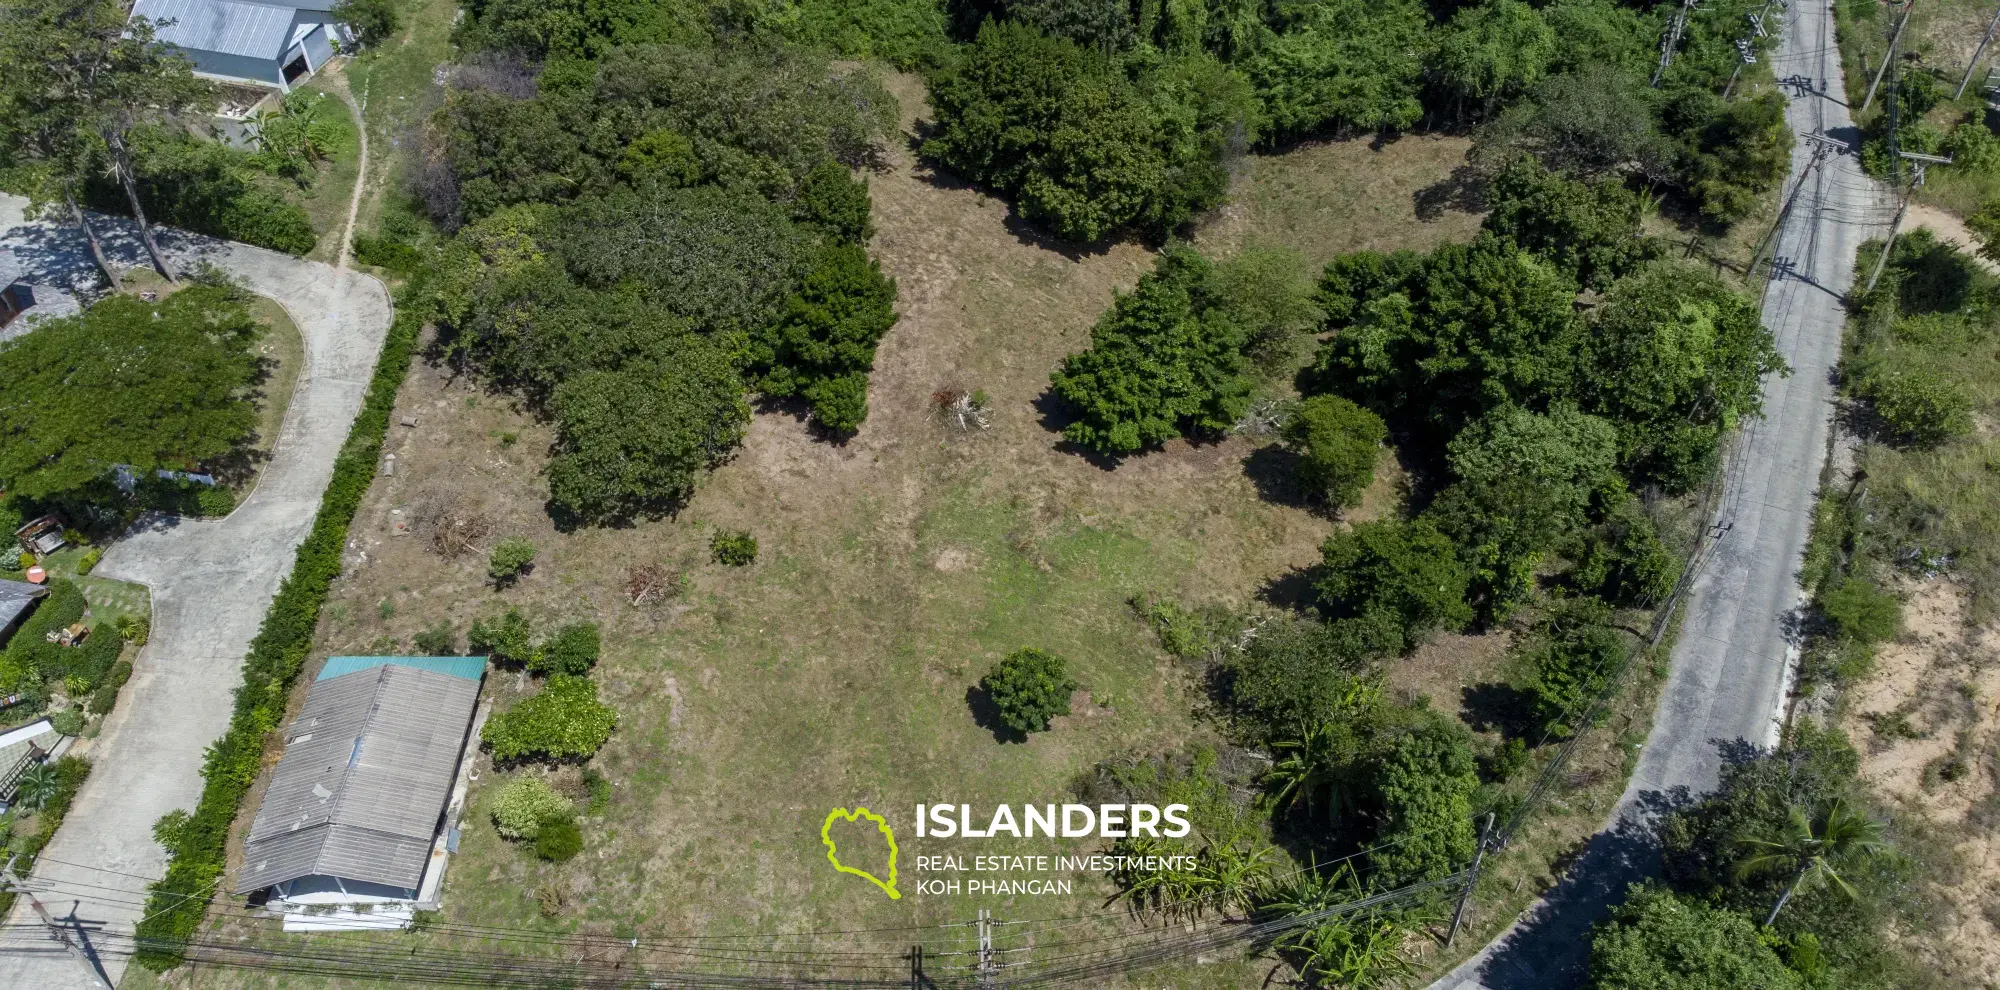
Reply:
x=57, y=932
x=1976, y=52
x=1894, y=39
x=1673, y=41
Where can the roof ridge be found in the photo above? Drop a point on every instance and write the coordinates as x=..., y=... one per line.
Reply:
x=354, y=755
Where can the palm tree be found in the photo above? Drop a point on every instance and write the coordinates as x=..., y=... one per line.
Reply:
x=1814, y=849
x=1313, y=767
x=37, y=787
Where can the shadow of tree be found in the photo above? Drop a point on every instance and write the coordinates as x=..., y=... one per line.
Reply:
x=986, y=713
x=1498, y=707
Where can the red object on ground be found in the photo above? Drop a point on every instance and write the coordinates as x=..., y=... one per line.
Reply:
x=36, y=575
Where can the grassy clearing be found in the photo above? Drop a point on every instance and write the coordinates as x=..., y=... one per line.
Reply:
x=325, y=200
x=396, y=85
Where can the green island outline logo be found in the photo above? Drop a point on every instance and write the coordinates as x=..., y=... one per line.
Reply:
x=833, y=854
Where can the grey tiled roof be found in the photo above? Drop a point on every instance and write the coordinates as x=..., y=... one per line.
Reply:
x=16, y=597
x=364, y=780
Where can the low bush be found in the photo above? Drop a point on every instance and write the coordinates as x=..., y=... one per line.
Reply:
x=386, y=252
x=88, y=562
x=1299, y=672
x=107, y=692
x=1918, y=408
x=564, y=721
x=733, y=548
x=507, y=639
x=559, y=840
x=571, y=650
x=69, y=721
x=438, y=641
x=1862, y=611
x=1404, y=576
x=1575, y=653
x=525, y=805
x=511, y=558
x=1029, y=687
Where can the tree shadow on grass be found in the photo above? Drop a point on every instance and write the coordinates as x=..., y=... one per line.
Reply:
x=987, y=714
x=1054, y=414
x=1499, y=707
x=1291, y=590
x=1274, y=471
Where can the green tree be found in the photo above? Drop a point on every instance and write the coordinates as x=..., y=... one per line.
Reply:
x=564, y=721
x=373, y=21
x=1676, y=359
x=81, y=78
x=508, y=638
x=1734, y=151
x=1493, y=52
x=1030, y=687
x=629, y=443
x=1657, y=941
x=1339, y=65
x=1591, y=121
x=824, y=345
x=1526, y=483
x=1164, y=361
x=1985, y=227
x=148, y=385
x=1589, y=229
x=834, y=200
x=1338, y=443
x=1813, y=847
x=1406, y=576
x=1102, y=24
x=1623, y=559
x=1423, y=780
x=1301, y=672
x=559, y=840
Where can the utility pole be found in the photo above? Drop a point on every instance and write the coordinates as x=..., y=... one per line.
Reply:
x=1896, y=226
x=57, y=932
x=1822, y=147
x=1471, y=882
x=986, y=967
x=917, y=967
x=1976, y=52
x=1894, y=40
x=1673, y=40
x=1744, y=48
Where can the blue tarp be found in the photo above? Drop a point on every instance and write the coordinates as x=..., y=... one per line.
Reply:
x=469, y=668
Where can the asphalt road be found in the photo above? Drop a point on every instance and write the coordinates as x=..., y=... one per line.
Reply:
x=1732, y=664
x=211, y=582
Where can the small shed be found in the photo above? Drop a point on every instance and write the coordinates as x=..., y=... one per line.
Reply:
x=271, y=43
x=364, y=795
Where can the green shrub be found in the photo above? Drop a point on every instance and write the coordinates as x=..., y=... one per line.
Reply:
x=1029, y=687
x=599, y=788
x=1918, y=408
x=1575, y=654
x=1337, y=443
x=134, y=628
x=385, y=252
x=507, y=639
x=107, y=692
x=1423, y=780
x=1402, y=576
x=171, y=828
x=1861, y=611
x=525, y=805
x=564, y=721
x=559, y=840
x=1300, y=672
x=214, y=500
x=177, y=903
x=1657, y=941
x=733, y=548
x=438, y=641
x=824, y=345
x=571, y=650
x=69, y=721
x=373, y=21
x=511, y=557
x=1623, y=560
x=89, y=560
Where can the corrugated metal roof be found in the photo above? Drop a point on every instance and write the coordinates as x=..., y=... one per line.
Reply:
x=253, y=29
x=364, y=781
x=469, y=668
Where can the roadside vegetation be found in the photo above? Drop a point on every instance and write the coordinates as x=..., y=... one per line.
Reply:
x=623, y=230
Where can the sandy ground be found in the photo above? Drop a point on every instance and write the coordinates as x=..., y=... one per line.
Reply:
x=1943, y=679
x=1949, y=229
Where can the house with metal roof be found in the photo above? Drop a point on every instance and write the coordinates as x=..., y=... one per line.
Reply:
x=259, y=42
x=361, y=810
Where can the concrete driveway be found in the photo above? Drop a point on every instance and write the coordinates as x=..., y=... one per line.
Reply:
x=1732, y=664
x=211, y=581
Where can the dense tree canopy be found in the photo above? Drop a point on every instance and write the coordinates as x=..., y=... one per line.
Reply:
x=146, y=385
x=1657, y=941
x=1165, y=360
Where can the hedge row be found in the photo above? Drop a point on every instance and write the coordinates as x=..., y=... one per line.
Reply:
x=180, y=899
x=71, y=772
